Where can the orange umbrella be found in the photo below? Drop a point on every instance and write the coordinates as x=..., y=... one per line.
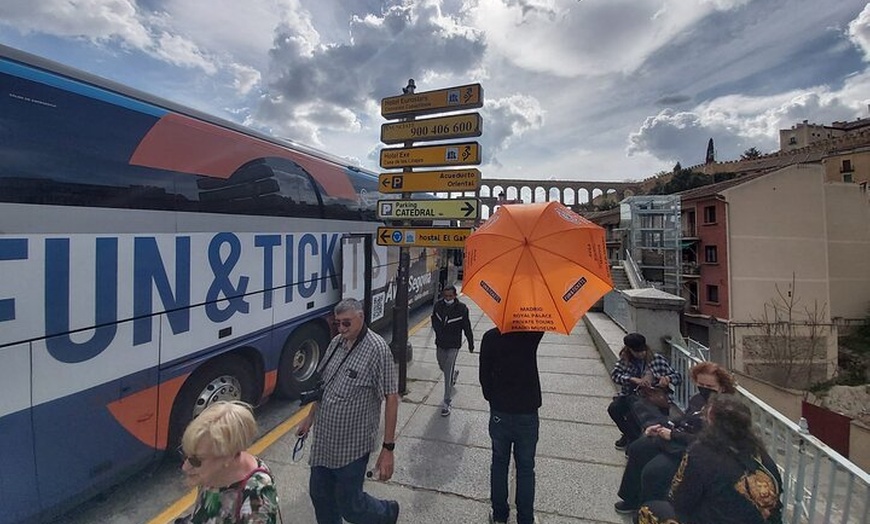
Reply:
x=536, y=267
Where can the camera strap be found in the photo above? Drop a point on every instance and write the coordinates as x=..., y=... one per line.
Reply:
x=359, y=338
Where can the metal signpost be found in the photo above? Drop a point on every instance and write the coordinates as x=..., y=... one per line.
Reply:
x=402, y=212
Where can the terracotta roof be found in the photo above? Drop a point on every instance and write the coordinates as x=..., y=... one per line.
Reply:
x=713, y=189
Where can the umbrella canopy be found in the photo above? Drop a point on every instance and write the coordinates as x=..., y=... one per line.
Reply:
x=536, y=267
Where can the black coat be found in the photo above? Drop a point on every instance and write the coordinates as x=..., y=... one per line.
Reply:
x=449, y=322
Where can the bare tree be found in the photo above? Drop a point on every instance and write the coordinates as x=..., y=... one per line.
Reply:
x=791, y=339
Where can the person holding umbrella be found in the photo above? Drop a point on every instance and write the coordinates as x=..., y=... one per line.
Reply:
x=449, y=320
x=510, y=382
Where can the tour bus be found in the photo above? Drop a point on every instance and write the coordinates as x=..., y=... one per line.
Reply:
x=153, y=260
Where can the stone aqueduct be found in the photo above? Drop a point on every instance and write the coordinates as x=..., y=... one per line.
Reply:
x=572, y=193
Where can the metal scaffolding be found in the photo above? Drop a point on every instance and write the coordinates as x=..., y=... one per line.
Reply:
x=655, y=238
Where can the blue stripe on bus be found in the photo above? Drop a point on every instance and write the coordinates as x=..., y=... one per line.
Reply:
x=19, y=495
x=74, y=86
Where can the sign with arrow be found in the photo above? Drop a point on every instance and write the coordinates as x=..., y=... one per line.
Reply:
x=429, y=209
x=423, y=236
x=445, y=180
x=465, y=153
x=439, y=101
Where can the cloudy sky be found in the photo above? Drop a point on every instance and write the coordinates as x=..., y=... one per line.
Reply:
x=574, y=89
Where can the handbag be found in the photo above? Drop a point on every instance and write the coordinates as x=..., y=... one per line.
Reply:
x=656, y=396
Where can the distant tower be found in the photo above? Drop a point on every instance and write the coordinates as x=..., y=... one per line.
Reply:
x=711, y=153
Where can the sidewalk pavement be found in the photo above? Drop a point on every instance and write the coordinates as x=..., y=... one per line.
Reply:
x=442, y=463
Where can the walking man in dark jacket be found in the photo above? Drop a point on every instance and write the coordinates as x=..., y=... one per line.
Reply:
x=510, y=382
x=450, y=320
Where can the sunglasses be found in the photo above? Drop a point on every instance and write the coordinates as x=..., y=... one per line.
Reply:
x=343, y=323
x=193, y=460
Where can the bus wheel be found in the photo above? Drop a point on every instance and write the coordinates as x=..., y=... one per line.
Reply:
x=228, y=378
x=299, y=359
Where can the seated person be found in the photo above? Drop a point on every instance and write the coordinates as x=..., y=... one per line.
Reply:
x=653, y=459
x=637, y=366
x=234, y=487
x=725, y=477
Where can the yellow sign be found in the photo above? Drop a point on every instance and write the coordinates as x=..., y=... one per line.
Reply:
x=423, y=236
x=465, y=153
x=450, y=99
x=431, y=209
x=446, y=180
x=441, y=128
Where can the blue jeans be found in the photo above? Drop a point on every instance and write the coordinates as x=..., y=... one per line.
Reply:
x=338, y=493
x=521, y=432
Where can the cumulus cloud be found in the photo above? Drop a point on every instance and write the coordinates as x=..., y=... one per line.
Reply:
x=506, y=120
x=738, y=122
x=587, y=38
x=859, y=32
x=181, y=33
x=412, y=40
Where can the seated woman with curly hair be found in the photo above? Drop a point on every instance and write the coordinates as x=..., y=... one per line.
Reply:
x=726, y=476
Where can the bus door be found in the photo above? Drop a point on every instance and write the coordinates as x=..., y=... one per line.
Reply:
x=19, y=496
x=356, y=270
x=95, y=418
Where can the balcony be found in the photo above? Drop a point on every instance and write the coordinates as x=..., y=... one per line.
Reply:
x=691, y=270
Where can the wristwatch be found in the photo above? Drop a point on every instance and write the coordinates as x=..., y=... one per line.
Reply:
x=389, y=446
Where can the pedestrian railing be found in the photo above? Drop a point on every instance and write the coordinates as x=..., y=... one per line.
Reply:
x=819, y=485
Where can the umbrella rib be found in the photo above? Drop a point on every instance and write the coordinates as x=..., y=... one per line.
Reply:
x=471, y=275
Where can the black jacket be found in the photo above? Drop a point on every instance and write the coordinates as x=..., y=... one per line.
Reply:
x=449, y=322
x=509, y=371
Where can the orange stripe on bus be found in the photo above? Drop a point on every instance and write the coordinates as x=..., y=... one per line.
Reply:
x=180, y=143
x=144, y=411
x=270, y=381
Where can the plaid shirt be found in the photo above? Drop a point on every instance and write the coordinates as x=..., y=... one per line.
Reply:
x=660, y=367
x=347, y=419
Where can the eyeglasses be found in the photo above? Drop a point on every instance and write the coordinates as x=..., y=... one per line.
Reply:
x=192, y=459
x=298, y=449
x=343, y=323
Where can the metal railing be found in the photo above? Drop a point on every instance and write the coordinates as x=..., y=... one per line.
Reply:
x=819, y=484
x=632, y=271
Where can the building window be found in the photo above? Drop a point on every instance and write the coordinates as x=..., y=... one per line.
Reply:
x=710, y=214
x=847, y=166
x=711, y=254
x=713, y=294
x=792, y=141
x=847, y=177
x=693, y=294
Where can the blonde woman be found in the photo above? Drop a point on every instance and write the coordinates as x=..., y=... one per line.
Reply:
x=233, y=485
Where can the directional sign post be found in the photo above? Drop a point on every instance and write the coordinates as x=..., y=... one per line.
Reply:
x=423, y=236
x=446, y=180
x=465, y=153
x=401, y=212
x=431, y=209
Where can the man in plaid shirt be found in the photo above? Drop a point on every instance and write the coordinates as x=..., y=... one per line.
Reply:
x=637, y=366
x=358, y=373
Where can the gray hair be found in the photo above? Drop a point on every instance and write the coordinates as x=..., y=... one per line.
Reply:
x=349, y=304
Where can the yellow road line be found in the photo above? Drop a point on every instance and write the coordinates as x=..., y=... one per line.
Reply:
x=179, y=506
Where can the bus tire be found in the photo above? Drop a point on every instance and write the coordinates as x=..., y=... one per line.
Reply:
x=299, y=360
x=227, y=378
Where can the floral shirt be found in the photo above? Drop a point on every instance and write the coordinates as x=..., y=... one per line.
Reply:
x=254, y=501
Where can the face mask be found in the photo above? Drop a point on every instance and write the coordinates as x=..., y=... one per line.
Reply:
x=706, y=392
x=449, y=302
